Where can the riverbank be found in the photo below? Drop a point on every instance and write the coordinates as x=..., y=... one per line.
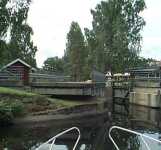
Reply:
x=68, y=114
x=19, y=107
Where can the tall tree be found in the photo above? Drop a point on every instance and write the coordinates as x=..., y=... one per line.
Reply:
x=116, y=26
x=21, y=33
x=13, y=19
x=92, y=57
x=76, y=52
x=4, y=25
x=4, y=19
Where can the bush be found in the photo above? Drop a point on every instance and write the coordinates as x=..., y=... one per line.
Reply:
x=6, y=118
x=6, y=115
x=9, y=110
x=17, y=108
x=41, y=100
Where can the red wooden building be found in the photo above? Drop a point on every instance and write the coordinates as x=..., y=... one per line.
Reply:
x=20, y=68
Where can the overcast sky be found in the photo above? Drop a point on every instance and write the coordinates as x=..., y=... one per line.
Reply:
x=51, y=19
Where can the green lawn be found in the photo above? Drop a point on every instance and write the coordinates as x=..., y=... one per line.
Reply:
x=32, y=102
x=14, y=92
x=18, y=103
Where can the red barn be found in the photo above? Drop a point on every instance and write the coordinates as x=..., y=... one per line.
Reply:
x=19, y=68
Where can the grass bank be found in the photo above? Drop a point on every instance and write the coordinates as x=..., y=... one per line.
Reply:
x=17, y=103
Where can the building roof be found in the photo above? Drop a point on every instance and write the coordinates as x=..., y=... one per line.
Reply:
x=15, y=61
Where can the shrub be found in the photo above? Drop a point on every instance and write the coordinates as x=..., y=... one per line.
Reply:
x=41, y=100
x=17, y=108
x=6, y=115
x=10, y=109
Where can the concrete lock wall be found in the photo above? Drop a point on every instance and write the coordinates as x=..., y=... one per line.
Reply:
x=145, y=113
x=146, y=97
x=146, y=90
x=147, y=84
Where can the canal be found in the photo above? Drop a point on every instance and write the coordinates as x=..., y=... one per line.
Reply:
x=94, y=132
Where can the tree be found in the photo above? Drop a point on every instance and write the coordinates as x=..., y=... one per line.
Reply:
x=116, y=30
x=76, y=52
x=4, y=53
x=54, y=64
x=4, y=25
x=92, y=57
x=21, y=33
x=4, y=19
x=13, y=19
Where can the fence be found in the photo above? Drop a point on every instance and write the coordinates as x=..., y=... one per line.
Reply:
x=47, y=78
x=9, y=79
x=15, y=79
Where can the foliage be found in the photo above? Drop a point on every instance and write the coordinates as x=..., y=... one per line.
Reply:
x=17, y=108
x=6, y=115
x=40, y=100
x=9, y=110
x=113, y=44
x=142, y=62
x=115, y=34
x=15, y=33
x=4, y=19
x=4, y=53
x=92, y=59
x=54, y=64
x=76, y=53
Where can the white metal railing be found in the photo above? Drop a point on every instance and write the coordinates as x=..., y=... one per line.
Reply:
x=143, y=137
x=52, y=140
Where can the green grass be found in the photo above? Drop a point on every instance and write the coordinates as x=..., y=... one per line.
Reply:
x=14, y=92
x=34, y=102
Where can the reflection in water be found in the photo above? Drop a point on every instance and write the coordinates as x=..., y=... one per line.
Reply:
x=94, y=132
x=126, y=140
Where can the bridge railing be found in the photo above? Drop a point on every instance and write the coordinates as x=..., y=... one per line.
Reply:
x=122, y=83
x=152, y=79
x=138, y=82
x=47, y=78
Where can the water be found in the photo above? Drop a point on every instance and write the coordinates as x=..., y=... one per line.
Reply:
x=94, y=132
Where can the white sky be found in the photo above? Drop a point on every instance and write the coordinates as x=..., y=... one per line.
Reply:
x=51, y=19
